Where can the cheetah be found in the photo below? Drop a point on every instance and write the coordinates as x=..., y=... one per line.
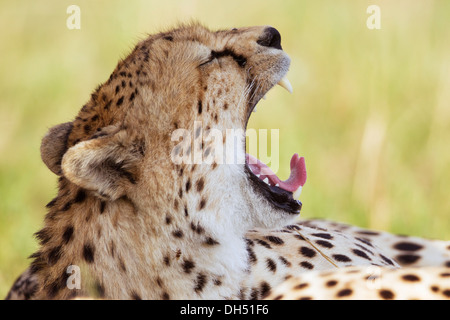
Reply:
x=140, y=222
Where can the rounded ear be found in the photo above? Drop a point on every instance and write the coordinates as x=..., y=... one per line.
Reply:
x=54, y=145
x=105, y=164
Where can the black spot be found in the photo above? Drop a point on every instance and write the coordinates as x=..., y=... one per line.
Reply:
x=54, y=255
x=202, y=204
x=187, y=266
x=117, y=88
x=410, y=277
x=341, y=258
x=51, y=203
x=299, y=237
x=407, y=246
x=123, y=84
x=99, y=290
x=53, y=289
x=285, y=261
x=445, y=275
x=67, y=206
x=122, y=265
x=307, y=252
x=306, y=265
x=68, y=234
x=301, y=286
x=271, y=265
x=188, y=185
x=274, y=240
x=331, y=283
x=166, y=260
x=446, y=293
x=365, y=241
x=254, y=294
x=217, y=282
x=165, y=296
x=344, y=293
x=211, y=242
x=265, y=289
x=200, y=282
x=293, y=227
x=251, y=254
x=120, y=101
x=102, y=206
x=107, y=105
x=386, y=294
x=200, y=184
x=186, y=213
x=80, y=197
x=177, y=233
x=323, y=235
x=407, y=258
x=43, y=236
x=368, y=233
x=200, y=107
x=324, y=244
x=168, y=38
x=135, y=296
x=387, y=260
x=361, y=254
x=263, y=243
x=88, y=253
x=132, y=97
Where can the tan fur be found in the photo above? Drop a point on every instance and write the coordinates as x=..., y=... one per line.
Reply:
x=138, y=224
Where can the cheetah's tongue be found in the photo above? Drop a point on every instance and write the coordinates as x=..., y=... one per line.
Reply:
x=293, y=184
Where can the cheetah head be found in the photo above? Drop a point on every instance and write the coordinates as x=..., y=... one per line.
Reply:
x=155, y=132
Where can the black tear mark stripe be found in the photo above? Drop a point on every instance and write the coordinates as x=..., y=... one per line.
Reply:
x=240, y=60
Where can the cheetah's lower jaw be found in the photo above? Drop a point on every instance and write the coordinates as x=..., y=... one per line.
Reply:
x=293, y=184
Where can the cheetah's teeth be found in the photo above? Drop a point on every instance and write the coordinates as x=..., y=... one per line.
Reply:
x=266, y=180
x=286, y=84
x=297, y=192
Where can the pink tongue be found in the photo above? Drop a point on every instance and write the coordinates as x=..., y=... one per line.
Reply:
x=296, y=179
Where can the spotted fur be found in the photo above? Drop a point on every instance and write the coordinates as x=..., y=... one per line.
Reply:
x=140, y=225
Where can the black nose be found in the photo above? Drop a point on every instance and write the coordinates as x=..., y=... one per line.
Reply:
x=271, y=38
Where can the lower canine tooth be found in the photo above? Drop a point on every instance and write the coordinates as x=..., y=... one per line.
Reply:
x=266, y=180
x=297, y=193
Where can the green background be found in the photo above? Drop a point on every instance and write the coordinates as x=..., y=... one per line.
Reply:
x=370, y=110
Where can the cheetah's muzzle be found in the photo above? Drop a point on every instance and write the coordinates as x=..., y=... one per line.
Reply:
x=281, y=194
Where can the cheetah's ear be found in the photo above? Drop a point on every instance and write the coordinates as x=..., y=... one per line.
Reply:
x=106, y=164
x=54, y=145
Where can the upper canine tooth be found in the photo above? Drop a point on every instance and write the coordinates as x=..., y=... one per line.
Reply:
x=286, y=84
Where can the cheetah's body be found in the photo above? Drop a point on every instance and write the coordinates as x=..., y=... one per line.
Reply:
x=141, y=224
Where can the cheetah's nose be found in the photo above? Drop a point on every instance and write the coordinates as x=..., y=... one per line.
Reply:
x=270, y=38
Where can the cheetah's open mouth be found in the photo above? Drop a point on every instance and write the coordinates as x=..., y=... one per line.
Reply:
x=281, y=194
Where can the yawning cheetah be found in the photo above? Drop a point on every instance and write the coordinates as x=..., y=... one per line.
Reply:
x=139, y=221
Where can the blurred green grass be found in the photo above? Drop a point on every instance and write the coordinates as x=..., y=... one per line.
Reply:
x=370, y=110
